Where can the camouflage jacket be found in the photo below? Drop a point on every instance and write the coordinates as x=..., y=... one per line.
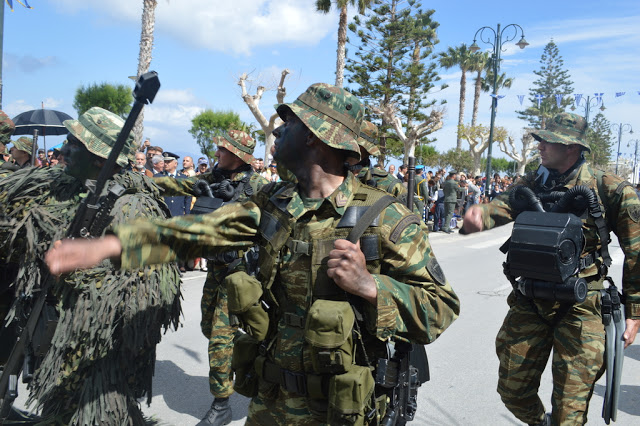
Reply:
x=173, y=187
x=414, y=302
x=383, y=181
x=622, y=213
x=110, y=321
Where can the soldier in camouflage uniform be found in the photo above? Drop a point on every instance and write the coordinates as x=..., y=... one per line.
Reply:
x=102, y=355
x=531, y=329
x=308, y=271
x=234, y=154
x=21, y=154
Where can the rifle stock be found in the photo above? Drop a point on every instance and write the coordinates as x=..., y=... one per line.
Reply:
x=84, y=226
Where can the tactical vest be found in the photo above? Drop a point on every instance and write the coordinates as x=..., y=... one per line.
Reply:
x=339, y=362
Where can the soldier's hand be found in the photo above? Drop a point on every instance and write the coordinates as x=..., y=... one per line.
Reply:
x=348, y=268
x=69, y=255
x=472, y=220
x=630, y=331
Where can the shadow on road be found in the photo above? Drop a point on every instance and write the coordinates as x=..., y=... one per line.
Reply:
x=188, y=394
x=629, y=401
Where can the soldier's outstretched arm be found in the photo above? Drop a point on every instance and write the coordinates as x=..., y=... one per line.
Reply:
x=472, y=220
x=71, y=254
x=151, y=242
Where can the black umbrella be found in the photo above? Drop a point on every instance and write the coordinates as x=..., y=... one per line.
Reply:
x=45, y=121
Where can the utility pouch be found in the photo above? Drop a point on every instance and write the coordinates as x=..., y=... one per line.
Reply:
x=350, y=397
x=245, y=352
x=329, y=329
x=243, y=297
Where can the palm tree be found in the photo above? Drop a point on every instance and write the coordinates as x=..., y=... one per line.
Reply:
x=324, y=6
x=460, y=57
x=480, y=62
x=144, y=57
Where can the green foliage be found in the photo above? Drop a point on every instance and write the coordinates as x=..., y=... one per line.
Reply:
x=600, y=139
x=553, y=79
x=116, y=98
x=459, y=160
x=393, y=61
x=427, y=155
x=208, y=124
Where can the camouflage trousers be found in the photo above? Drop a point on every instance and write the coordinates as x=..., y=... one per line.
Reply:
x=216, y=327
x=524, y=344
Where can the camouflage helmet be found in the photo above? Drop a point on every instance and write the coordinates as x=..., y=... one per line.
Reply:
x=24, y=144
x=6, y=128
x=367, y=138
x=331, y=113
x=566, y=129
x=98, y=130
x=238, y=143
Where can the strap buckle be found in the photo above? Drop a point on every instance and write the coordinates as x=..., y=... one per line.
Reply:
x=299, y=247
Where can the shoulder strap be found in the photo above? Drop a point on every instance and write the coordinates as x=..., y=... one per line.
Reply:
x=368, y=217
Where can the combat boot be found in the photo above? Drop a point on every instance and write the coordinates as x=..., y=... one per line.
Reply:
x=546, y=421
x=219, y=414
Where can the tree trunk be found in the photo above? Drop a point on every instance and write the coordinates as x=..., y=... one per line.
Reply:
x=476, y=98
x=463, y=88
x=342, y=43
x=144, y=57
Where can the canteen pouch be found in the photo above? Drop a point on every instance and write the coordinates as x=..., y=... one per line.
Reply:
x=245, y=352
x=329, y=329
x=350, y=397
x=243, y=297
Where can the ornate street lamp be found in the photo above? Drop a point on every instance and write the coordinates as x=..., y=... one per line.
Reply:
x=496, y=42
x=589, y=103
x=635, y=159
x=621, y=128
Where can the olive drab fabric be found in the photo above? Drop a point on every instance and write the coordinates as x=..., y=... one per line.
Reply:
x=98, y=130
x=415, y=304
x=525, y=341
x=103, y=351
x=24, y=143
x=368, y=138
x=566, y=128
x=239, y=143
x=332, y=114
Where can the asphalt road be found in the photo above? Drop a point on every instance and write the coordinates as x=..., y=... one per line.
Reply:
x=463, y=364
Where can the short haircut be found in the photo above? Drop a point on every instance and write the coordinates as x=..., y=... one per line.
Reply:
x=157, y=158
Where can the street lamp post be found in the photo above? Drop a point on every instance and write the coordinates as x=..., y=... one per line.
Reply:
x=497, y=42
x=621, y=128
x=635, y=159
x=587, y=106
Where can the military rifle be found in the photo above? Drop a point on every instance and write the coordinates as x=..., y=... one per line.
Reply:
x=90, y=221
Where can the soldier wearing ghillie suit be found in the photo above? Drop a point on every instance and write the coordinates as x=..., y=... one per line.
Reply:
x=234, y=154
x=534, y=326
x=21, y=155
x=302, y=360
x=102, y=355
x=376, y=177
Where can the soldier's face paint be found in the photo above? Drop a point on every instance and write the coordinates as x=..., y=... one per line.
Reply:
x=290, y=146
x=79, y=161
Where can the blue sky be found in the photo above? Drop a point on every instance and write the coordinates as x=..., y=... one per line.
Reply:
x=202, y=46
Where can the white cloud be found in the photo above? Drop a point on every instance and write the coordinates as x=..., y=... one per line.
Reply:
x=51, y=103
x=177, y=96
x=238, y=26
x=177, y=115
x=16, y=107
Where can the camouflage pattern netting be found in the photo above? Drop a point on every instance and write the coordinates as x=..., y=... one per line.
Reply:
x=103, y=351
